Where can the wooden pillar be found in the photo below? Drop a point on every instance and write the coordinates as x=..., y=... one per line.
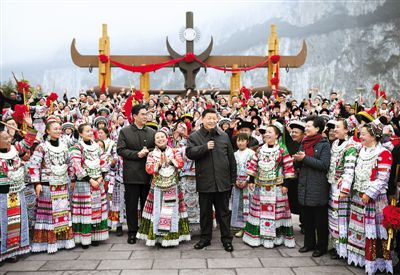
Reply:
x=273, y=49
x=235, y=82
x=104, y=68
x=145, y=84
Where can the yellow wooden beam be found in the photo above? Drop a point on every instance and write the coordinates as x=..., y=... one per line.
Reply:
x=235, y=82
x=273, y=49
x=145, y=85
x=104, y=68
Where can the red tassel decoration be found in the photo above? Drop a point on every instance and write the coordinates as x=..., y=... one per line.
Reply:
x=245, y=92
x=138, y=95
x=52, y=97
x=275, y=81
x=128, y=108
x=19, y=111
x=376, y=89
x=23, y=86
x=383, y=94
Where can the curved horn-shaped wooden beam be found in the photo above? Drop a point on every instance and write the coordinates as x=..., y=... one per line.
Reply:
x=248, y=61
x=83, y=60
x=206, y=53
x=171, y=51
x=86, y=61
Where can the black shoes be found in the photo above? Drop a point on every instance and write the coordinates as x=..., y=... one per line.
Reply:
x=119, y=231
x=95, y=243
x=334, y=255
x=132, y=238
x=85, y=246
x=228, y=247
x=12, y=260
x=202, y=244
x=318, y=253
x=305, y=249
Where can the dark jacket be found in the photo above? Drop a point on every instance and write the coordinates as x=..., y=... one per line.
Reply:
x=313, y=182
x=395, y=171
x=215, y=169
x=130, y=141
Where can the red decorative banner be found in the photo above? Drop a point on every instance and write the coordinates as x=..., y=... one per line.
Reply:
x=189, y=57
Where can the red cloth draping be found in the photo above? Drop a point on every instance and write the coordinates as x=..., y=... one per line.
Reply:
x=189, y=57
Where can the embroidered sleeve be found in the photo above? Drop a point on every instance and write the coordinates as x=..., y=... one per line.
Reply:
x=152, y=164
x=252, y=165
x=36, y=164
x=104, y=163
x=76, y=170
x=25, y=145
x=288, y=167
x=350, y=156
x=178, y=159
x=380, y=177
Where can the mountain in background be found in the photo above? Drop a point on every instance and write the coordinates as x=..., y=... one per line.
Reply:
x=350, y=45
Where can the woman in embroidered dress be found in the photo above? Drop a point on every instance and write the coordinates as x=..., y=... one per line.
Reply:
x=53, y=226
x=89, y=203
x=14, y=229
x=113, y=187
x=164, y=218
x=188, y=183
x=367, y=238
x=269, y=222
x=344, y=152
x=116, y=190
x=240, y=192
x=39, y=116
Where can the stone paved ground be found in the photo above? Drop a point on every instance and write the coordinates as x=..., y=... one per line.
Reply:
x=115, y=256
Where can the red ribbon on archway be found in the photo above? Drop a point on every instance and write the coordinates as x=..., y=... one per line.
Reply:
x=188, y=58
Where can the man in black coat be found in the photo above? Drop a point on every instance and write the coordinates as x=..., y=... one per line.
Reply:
x=215, y=164
x=394, y=181
x=134, y=143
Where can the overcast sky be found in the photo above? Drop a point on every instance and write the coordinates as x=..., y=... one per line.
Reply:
x=36, y=29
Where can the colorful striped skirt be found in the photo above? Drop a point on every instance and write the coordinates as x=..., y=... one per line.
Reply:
x=338, y=212
x=367, y=238
x=89, y=213
x=240, y=207
x=53, y=227
x=164, y=219
x=116, y=202
x=30, y=198
x=14, y=229
x=191, y=198
x=269, y=222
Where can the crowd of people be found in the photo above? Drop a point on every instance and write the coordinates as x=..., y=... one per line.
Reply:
x=76, y=169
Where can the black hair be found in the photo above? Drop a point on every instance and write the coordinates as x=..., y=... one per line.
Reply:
x=160, y=131
x=136, y=109
x=106, y=131
x=318, y=122
x=243, y=136
x=48, y=125
x=208, y=111
x=82, y=126
x=99, y=140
